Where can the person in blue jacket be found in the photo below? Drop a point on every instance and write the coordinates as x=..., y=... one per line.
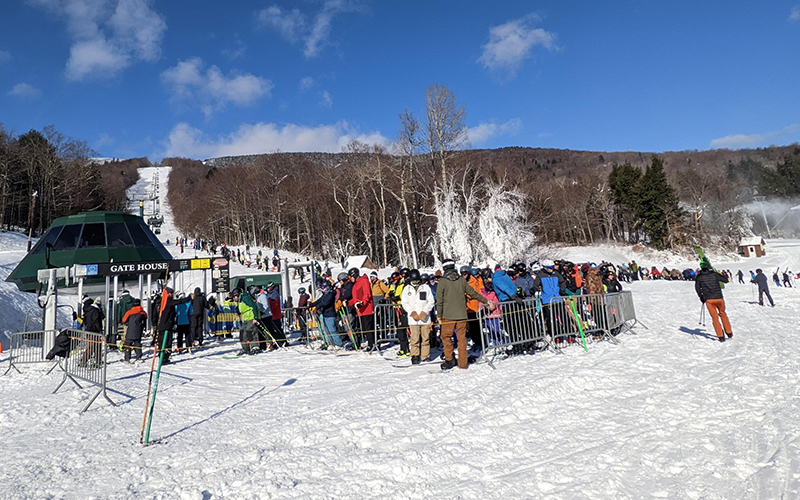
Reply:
x=183, y=324
x=504, y=286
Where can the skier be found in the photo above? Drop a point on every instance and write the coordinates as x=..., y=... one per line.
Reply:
x=166, y=322
x=740, y=274
x=417, y=300
x=775, y=278
x=451, y=309
x=473, y=325
x=362, y=302
x=379, y=289
x=276, y=325
x=763, y=288
x=183, y=325
x=325, y=306
x=302, y=312
x=250, y=316
x=787, y=282
x=199, y=306
x=707, y=286
x=93, y=317
x=135, y=321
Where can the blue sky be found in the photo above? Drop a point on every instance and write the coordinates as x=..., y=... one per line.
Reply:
x=209, y=78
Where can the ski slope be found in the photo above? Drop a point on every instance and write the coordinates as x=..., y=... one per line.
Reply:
x=668, y=413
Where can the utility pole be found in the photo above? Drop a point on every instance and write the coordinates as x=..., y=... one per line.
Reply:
x=760, y=200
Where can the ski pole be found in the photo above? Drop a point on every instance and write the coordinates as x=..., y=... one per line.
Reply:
x=155, y=388
x=149, y=386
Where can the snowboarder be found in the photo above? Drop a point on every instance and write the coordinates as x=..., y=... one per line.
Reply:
x=707, y=286
x=763, y=288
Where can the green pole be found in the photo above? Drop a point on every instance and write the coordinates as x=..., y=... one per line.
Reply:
x=155, y=388
x=577, y=320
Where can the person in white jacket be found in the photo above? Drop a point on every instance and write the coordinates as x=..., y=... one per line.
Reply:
x=417, y=300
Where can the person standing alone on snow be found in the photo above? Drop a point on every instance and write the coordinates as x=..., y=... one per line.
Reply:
x=707, y=286
x=760, y=279
x=740, y=274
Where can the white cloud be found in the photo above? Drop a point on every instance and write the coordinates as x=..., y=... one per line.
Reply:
x=511, y=43
x=737, y=141
x=5, y=56
x=294, y=26
x=108, y=35
x=327, y=100
x=185, y=140
x=483, y=132
x=24, y=90
x=210, y=89
x=306, y=83
x=794, y=15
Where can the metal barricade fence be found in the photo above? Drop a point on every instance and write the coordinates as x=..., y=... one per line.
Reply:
x=29, y=347
x=614, y=312
x=86, y=361
x=387, y=320
x=570, y=316
x=513, y=324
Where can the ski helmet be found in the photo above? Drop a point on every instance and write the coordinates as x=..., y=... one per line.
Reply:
x=536, y=267
x=403, y=271
x=354, y=272
x=425, y=277
x=486, y=273
x=301, y=290
x=395, y=276
x=464, y=270
x=254, y=289
x=341, y=277
x=413, y=276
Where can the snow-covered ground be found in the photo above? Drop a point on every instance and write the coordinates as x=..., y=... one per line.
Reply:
x=668, y=413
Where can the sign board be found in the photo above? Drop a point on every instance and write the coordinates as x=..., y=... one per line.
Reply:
x=220, y=275
x=154, y=267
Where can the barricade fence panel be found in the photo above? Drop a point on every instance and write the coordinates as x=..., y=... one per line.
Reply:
x=29, y=347
x=527, y=323
x=387, y=322
x=86, y=361
x=513, y=323
x=87, y=357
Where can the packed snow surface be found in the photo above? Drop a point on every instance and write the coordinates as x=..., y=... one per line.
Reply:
x=667, y=413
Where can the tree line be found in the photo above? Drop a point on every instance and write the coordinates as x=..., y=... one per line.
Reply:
x=45, y=175
x=428, y=196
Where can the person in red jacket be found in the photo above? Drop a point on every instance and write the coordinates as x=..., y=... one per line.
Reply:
x=362, y=301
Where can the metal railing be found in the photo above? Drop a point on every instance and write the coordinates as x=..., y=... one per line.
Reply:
x=29, y=348
x=528, y=324
x=387, y=322
x=86, y=361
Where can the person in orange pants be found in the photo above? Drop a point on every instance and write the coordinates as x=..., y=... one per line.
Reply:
x=707, y=286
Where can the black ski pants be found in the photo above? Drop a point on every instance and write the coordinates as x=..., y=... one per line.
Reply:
x=196, y=326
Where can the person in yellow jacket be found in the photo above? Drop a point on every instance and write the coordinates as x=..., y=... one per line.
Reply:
x=380, y=291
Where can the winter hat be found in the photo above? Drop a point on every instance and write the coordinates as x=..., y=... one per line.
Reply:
x=448, y=264
x=88, y=301
x=438, y=273
x=374, y=273
x=497, y=267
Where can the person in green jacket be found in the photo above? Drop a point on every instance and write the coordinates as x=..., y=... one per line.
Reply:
x=451, y=309
x=250, y=316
